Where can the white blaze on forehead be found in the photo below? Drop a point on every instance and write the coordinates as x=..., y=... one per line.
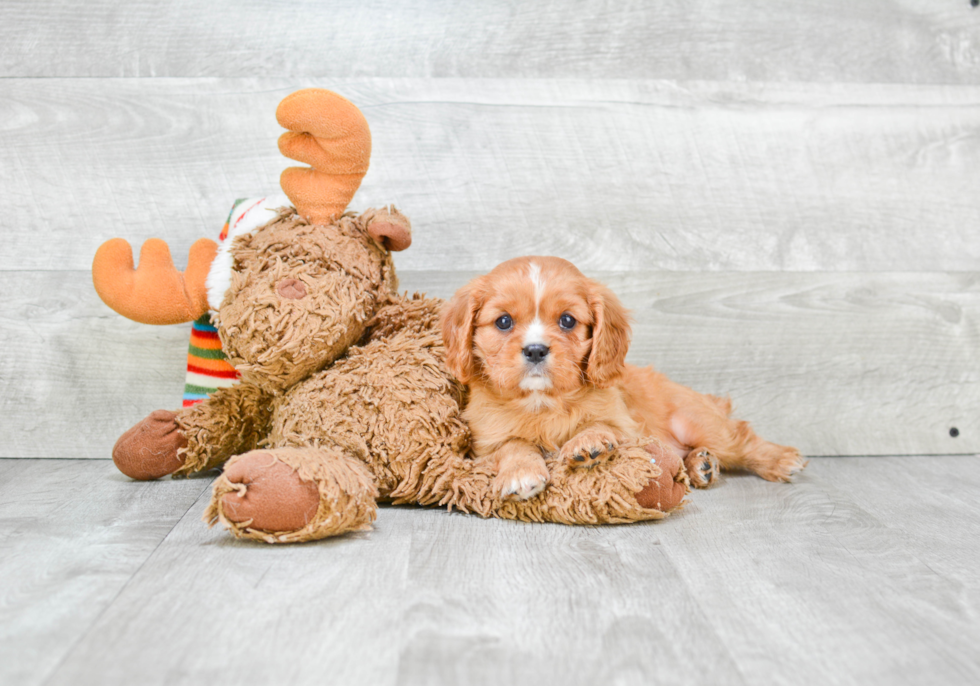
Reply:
x=534, y=333
x=534, y=272
x=535, y=330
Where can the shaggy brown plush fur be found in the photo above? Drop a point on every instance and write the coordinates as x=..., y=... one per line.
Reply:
x=275, y=341
x=607, y=494
x=345, y=383
x=345, y=397
x=233, y=421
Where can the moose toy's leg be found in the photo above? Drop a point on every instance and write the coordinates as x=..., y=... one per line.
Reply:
x=196, y=438
x=286, y=495
x=634, y=484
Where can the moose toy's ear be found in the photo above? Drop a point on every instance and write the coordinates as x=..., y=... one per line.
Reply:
x=389, y=227
x=331, y=135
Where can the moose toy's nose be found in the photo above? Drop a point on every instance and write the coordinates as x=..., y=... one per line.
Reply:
x=535, y=353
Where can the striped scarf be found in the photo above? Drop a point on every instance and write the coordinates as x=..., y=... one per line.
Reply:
x=207, y=367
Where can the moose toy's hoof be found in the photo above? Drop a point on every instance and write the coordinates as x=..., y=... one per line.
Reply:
x=288, y=495
x=149, y=450
x=269, y=495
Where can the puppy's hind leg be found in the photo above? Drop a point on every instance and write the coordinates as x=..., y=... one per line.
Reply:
x=737, y=446
x=730, y=444
x=771, y=461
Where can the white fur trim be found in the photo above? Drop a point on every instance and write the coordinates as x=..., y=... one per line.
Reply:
x=209, y=381
x=250, y=215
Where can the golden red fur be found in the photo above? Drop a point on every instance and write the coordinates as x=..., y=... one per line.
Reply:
x=543, y=348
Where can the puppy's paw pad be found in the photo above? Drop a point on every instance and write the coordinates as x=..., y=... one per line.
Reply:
x=702, y=468
x=587, y=448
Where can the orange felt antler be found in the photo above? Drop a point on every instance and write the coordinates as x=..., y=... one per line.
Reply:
x=155, y=293
x=330, y=134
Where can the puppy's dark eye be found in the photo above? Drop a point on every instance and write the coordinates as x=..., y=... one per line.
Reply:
x=504, y=322
x=566, y=322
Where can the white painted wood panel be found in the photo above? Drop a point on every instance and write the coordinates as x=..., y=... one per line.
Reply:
x=876, y=41
x=834, y=363
x=615, y=175
x=75, y=374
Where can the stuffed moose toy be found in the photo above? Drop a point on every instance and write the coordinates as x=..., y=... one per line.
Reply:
x=342, y=396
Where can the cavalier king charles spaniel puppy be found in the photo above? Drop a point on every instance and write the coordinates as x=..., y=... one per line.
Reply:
x=542, y=349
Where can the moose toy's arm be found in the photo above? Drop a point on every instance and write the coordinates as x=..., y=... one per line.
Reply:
x=199, y=437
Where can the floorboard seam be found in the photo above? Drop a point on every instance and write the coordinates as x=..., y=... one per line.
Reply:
x=82, y=635
x=704, y=615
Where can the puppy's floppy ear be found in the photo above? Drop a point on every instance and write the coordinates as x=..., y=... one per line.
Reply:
x=610, y=336
x=457, y=330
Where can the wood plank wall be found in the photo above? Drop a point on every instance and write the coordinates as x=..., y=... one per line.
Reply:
x=785, y=193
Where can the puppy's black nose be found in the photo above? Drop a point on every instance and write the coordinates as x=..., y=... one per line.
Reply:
x=536, y=352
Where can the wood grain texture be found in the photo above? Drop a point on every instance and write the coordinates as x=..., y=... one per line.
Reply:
x=76, y=375
x=852, y=575
x=254, y=614
x=72, y=534
x=835, y=579
x=835, y=364
x=614, y=175
x=876, y=41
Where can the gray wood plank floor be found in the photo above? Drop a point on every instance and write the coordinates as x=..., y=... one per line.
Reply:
x=72, y=535
x=862, y=572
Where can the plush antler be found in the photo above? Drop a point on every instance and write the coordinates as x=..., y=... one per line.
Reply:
x=330, y=134
x=155, y=293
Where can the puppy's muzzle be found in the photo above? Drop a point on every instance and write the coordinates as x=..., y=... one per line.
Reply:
x=535, y=353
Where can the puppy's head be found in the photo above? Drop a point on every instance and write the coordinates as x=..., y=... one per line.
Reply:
x=535, y=324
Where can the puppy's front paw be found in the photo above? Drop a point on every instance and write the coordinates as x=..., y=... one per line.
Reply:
x=702, y=468
x=588, y=447
x=520, y=482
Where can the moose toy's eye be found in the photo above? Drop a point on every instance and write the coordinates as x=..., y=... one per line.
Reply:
x=566, y=322
x=504, y=322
